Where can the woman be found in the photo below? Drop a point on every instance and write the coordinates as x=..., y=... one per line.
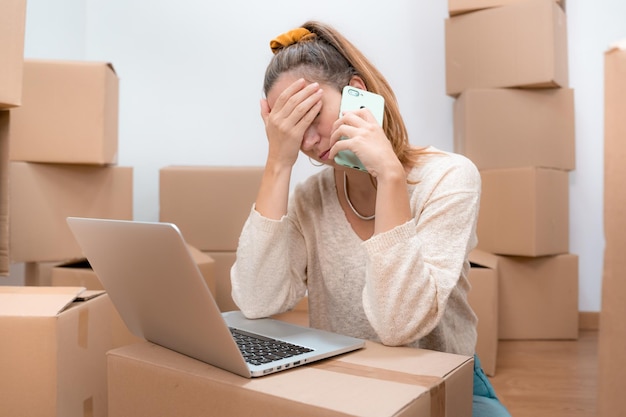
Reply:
x=382, y=254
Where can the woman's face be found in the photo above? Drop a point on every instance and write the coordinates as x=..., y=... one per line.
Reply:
x=316, y=140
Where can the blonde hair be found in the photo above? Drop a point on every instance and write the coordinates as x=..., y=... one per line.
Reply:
x=327, y=56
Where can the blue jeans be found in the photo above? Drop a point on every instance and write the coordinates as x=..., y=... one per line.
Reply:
x=486, y=403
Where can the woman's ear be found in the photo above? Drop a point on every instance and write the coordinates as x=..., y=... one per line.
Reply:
x=357, y=82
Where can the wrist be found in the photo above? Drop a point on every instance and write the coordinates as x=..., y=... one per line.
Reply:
x=393, y=173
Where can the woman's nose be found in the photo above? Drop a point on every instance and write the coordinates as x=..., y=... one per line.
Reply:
x=310, y=139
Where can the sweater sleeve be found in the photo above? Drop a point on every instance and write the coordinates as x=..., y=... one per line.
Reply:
x=268, y=276
x=413, y=268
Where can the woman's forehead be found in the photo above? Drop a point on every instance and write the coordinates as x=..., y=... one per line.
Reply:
x=282, y=82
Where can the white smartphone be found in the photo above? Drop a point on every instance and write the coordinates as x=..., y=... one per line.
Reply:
x=353, y=98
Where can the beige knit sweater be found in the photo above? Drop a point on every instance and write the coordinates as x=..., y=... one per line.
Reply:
x=407, y=286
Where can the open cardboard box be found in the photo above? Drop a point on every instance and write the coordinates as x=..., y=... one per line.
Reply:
x=52, y=355
x=79, y=273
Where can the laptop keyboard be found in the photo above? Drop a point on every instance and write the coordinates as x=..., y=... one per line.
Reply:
x=258, y=350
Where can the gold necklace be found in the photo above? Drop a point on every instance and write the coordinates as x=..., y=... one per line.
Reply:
x=345, y=192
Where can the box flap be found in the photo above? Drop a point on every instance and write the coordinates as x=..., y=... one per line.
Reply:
x=110, y=65
x=89, y=294
x=617, y=46
x=36, y=301
x=485, y=259
x=79, y=263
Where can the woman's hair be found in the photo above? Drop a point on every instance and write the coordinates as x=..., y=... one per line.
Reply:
x=326, y=56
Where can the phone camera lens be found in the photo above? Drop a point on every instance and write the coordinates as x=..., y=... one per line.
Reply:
x=353, y=92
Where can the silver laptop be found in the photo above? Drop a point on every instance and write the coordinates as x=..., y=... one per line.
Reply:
x=153, y=281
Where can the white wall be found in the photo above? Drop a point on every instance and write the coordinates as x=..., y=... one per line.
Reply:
x=191, y=72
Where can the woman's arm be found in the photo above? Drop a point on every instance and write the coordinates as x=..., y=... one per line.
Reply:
x=285, y=123
x=413, y=268
x=268, y=276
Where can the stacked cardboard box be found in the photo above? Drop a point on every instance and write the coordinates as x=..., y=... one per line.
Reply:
x=60, y=149
x=63, y=157
x=210, y=206
x=612, y=334
x=506, y=67
x=12, y=27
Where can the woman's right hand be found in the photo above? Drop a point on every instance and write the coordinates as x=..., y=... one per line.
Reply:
x=287, y=119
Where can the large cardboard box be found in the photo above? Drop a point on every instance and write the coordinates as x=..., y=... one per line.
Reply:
x=465, y=6
x=612, y=333
x=42, y=196
x=5, y=261
x=52, y=354
x=69, y=113
x=223, y=288
x=148, y=380
x=483, y=298
x=522, y=44
x=510, y=128
x=12, y=28
x=39, y=274
x=538, y=297
x=524, y=211
x=208, y=204
x=78, y=273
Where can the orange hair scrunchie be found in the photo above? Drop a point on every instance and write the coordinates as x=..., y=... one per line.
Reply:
x=289, y=38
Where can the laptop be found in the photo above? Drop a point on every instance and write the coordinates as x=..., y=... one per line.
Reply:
x=160, y=293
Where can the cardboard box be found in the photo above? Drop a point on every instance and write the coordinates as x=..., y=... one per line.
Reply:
x=148, y=380
x=5, y=261
x=465, y=6
x=223, y=288
x=39, y=274
x=524, y=211
x=12, y=28
x=69, y=113
x=510, y=128
x=483, y=298
x=523, y=44
x=52, y=354
x=612, y=333
x=208, y=204
x=538, y=297
x=78, y=273
x=42, y=196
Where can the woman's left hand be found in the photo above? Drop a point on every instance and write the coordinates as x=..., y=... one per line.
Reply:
x=366, y=139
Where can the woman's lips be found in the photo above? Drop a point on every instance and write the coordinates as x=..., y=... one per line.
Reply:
x=324, y=155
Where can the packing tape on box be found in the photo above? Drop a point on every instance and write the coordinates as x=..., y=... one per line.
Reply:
x=436, y=385
x=88, y=407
